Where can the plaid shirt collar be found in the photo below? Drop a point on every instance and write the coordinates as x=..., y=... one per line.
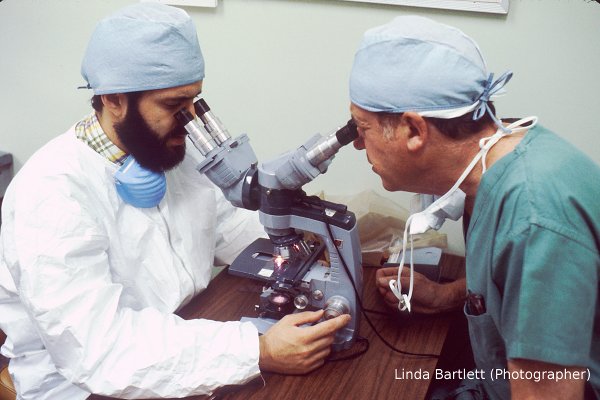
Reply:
x=90, y=132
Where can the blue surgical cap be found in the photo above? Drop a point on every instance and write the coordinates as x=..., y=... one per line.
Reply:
x=144, y=46
x=416, y=64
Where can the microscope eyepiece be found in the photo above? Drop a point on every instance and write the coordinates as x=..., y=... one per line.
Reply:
x=325, y=149
x=198, y=135
x=201, y=107
x=347, y=133
x=211, y=123
x=184, y=117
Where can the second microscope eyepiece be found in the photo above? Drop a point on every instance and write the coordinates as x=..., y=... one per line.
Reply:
x=329, y=145
x=201, y=107
x=347, y=133
x=199, y=136
x=212, y=124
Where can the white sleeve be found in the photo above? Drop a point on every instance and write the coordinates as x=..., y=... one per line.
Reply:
x=64, y=279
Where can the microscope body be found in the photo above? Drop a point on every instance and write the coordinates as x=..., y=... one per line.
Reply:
x=320, y=283
x=294, y=269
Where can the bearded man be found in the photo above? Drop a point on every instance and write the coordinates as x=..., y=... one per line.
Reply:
x=109, y=229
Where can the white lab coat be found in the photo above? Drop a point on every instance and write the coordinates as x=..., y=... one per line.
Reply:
x=89, y=284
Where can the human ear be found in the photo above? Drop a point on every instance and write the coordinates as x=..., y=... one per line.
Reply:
x=115, y=104
x=417, y=131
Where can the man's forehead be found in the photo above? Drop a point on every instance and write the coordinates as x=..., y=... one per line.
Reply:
x=360, y=115
x=184, y=92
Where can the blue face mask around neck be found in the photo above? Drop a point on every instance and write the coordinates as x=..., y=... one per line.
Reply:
x=139, y=186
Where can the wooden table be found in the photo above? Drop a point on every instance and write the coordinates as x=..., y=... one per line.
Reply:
x=374, y=375
x=380, y=373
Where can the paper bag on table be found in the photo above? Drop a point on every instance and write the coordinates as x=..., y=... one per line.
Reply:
x=381, y=223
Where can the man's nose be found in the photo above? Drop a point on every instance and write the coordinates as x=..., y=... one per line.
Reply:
x=190, y=108
x=359, y=143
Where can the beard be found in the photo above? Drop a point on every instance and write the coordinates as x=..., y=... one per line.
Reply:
x=145, y=144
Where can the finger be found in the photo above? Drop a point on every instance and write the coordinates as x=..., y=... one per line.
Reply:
x=419, y=279
x=315, y=364
x=386, y=271
x=322, y=354
x=391, y=304
x=305, y=317
x=405, y=281
x=385, y=282
x=315, y=355
x=387, y=294
x=330, y=326
x=386, y=291
x=391, y=299
x=383, y=290
x=322, y=343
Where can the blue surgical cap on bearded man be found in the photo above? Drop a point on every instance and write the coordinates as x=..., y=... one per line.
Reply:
x=144, y=46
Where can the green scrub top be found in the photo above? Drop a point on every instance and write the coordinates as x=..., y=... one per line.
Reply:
x=532, y=251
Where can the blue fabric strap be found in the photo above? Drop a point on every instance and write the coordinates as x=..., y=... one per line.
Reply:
x=491, y=88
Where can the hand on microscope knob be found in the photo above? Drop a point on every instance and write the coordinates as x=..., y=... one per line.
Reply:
x=428, y=297
x=290, y=348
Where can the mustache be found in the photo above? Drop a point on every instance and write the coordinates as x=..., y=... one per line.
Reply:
x=177, y=132
x=149, y=149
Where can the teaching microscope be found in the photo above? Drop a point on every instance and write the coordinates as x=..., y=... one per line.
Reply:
x=300, y=271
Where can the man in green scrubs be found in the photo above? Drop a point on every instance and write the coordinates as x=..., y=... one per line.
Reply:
x=421, y=98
